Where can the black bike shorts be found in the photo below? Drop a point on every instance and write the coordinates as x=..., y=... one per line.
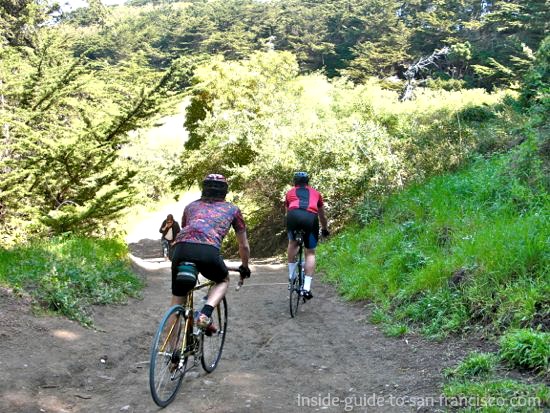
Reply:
x=297, y=219
x=207, y=258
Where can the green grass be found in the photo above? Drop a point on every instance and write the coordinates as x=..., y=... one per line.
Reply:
x=527, y=349
x=68, y=275
x=476, y=385
x=463, y=250
x=498, y=395
x=474, y=366
x=395, y=330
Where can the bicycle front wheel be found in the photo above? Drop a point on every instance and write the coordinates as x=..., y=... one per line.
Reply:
x=165, y=372
x=295, y=293
x=214, y=338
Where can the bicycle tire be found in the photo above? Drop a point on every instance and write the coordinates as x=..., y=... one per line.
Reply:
x=164, y=379
x=212, y=343
x=295, y=291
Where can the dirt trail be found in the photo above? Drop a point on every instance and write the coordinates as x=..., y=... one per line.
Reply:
x=327, y=359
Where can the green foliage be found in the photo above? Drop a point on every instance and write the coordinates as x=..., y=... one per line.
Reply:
x=491, y=42
x=65, y=118
x=395, y=330
x=536, y=89
x=257, y=121
x=475, y=384
x=497, y=396
x=68, y=275
x=439, y=313
x=461, y=249
x=475, y=365
x=527, y=349
x=446, y=84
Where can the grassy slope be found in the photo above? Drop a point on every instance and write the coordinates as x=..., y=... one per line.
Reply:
x=461, y=250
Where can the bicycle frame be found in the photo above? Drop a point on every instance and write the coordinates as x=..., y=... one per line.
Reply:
x=188, y=314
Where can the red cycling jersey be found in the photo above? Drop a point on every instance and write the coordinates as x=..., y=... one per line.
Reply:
x=304, y=197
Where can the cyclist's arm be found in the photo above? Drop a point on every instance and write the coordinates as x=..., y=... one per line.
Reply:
x=322, y=217
x=244, y=248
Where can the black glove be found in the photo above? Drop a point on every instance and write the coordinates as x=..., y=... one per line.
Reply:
x=325, y=232
x=244, y=271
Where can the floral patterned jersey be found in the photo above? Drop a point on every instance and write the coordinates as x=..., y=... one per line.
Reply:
x=208, y=222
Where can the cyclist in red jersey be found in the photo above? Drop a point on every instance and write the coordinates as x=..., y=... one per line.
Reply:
x=305, y=208
x=204, y=225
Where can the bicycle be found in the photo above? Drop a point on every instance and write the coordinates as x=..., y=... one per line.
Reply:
x=297, y=282
x=177, y=339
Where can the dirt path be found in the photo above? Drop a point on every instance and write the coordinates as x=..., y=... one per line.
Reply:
x=327, y=359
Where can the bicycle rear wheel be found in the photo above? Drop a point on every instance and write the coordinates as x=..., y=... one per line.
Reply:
x=295, y=292
x=165, y=375
x=212, y=342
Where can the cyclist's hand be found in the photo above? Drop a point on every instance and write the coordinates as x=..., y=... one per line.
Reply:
x=325, y=233
x=244, y=271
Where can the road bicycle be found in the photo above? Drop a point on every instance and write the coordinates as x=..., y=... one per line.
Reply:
x=177, y=339
x=297, y=281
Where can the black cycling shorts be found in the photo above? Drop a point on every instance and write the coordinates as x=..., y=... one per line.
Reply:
x=297, y=219
x=207, y=258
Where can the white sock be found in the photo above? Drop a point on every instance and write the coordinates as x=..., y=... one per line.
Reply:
x=291, y=269
x=307, y=282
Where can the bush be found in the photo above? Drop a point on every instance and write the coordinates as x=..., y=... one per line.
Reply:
x=446, y=84
x=526, y=349
x=480, y=113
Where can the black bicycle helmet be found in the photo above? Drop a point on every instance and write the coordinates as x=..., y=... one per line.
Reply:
x=214, y=186
x=301, y=178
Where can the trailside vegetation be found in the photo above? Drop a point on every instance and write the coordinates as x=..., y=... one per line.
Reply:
x=67, y=275
x=467, y=253
x=258, y=120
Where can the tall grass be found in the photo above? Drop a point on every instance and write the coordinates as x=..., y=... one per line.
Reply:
x=68, y=275
x=461, y=249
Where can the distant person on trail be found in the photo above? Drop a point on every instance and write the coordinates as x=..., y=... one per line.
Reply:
x=169, y=229
x=305, y=208
x=205, y=223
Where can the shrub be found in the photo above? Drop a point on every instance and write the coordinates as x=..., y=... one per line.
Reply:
x=527, y=349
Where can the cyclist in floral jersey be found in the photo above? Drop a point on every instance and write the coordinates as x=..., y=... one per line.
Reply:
x=205, y=223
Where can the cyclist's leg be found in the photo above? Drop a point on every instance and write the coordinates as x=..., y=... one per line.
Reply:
x=310, y=243
x=292, y=224
x=309, y=267
x=292, y=252
x=217, y=292
x=212, y=266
